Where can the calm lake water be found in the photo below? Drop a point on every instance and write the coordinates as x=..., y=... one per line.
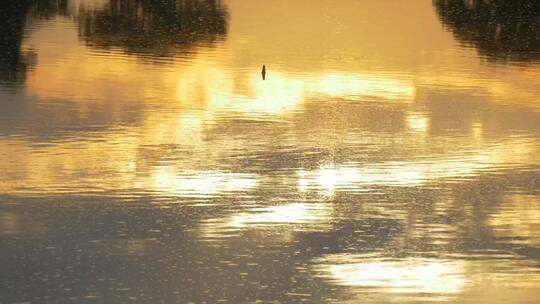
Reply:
x=391, y=155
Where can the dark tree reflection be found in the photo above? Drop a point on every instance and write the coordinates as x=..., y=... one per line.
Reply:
x=12, y=23
x=153, y=26
x=14, y=19
x=46, y=9
x=499, y=29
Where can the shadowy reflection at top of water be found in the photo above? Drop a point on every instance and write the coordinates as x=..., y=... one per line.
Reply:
x=12, y=60
x=507, y=30
x=156, y=27
x=159, y=28
x=46, y=9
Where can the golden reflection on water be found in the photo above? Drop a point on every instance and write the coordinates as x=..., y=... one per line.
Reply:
x=198, y=183
x=435, y=279
x=464, y=165
x=351, y=104
x=117, y=77
x=203, y=89
x=285, y=219
x=204, y=85
x=518, y=218
x=409, y=275
x=418, y=122
x=296, y=213
x=51, y=165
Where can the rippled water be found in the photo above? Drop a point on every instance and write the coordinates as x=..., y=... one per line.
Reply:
x=391, y=155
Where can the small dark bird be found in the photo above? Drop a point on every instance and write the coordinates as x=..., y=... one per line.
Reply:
x=263, y=72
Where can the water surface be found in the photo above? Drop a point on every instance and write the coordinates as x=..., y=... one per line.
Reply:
x=391, y=155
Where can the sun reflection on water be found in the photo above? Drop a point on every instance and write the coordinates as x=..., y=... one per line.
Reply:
x=289, y=217
x=518, y=218
x=414, y=173
x=200, y=183
x=411, y=275
x=372, y=133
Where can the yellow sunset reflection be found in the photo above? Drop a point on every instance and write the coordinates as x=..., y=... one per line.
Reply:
x=328, y=178
x=165, y=179
x=51, y=168
x=205, y=83
x=364, y=85
x=280, y=93
x=247, y=151
x=464, y=164
x=418, y=122
x=411, y=275
x=294, y=213
x=518, y=217
x=277, y=95
x=289, y=217
x=515, y=87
